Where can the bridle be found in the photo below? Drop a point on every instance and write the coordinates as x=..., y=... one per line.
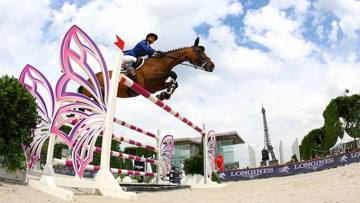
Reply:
x=200, y=56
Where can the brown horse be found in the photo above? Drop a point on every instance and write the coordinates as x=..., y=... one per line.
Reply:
x=156, y=73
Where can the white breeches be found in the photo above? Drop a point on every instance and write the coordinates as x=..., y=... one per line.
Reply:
x=128, y=58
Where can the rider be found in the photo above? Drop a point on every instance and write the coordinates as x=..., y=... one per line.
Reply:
x=141, y=49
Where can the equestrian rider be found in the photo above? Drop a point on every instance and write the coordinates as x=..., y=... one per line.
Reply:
x=141, y=49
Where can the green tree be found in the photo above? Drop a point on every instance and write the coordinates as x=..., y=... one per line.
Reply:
x=18, y=116
x=294, y=158
x=195, y=164
x=349, y=110
x=332, y=125
x=319, y=141
x=313, y=141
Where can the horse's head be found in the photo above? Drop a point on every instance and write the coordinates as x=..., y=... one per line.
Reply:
x=199, y=58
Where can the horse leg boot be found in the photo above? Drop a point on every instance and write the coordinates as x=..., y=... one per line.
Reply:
x=170, y=86
x=162, y=96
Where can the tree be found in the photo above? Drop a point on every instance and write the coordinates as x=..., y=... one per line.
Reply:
x=349, y=110
x=294, y=158
x=195, y=164
x=312, y=141
x=18, y=116
x=320, y=140
x=332, y=125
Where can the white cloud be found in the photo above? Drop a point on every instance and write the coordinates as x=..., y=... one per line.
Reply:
x=320, y=32
x=349, y=20
x=334, y=32
x=278, y=32
x=293, y=84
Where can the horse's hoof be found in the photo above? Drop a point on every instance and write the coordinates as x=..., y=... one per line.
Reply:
x=167, y=96
x=160, y=97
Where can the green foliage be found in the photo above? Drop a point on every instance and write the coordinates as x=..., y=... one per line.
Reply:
x=57, y=148
x=119, y=162
x=138, y=151
x=114, y=162
x=319, y=141
x=137, y=178
x=146, y=179
x=18, y=116
x=313, y=140
x=194, y=165
x=215, y=177
x=294, y=158
x=332, y=126
x=349, y=110
x=57, y=151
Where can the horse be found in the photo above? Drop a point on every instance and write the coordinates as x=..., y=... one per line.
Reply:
x=156, y=72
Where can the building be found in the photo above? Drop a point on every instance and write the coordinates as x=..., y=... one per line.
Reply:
x=187, y=147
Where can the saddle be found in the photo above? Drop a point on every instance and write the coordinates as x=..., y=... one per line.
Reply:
x=124, y=69
x=138, y=64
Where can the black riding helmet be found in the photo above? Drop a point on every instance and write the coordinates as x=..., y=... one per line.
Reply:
x=152, y=35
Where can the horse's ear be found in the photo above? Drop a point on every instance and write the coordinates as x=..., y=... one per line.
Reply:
x=196, y=43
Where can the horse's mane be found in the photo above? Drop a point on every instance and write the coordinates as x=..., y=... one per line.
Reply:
x=174, y=50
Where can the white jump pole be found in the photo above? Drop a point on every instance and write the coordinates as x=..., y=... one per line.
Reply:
x=49, y=169
x=106, y=182
x=158, y=156
x=205, y=154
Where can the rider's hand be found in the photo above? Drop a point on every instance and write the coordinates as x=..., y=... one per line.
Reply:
x=158, y=53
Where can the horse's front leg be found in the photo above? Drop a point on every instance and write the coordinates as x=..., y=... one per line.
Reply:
x=170, y=86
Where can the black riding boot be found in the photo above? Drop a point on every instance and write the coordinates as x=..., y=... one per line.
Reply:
x=131, y=70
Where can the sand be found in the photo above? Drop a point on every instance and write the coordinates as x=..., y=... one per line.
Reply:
x=335, y=185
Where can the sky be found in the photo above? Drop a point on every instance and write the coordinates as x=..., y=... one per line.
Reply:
x=292, y=56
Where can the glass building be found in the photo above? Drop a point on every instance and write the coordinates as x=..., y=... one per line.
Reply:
x=187, y=147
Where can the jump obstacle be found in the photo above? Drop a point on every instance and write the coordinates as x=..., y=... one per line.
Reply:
x=97, y=120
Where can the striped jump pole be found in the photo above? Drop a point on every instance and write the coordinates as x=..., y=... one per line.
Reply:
x=142, y=91
x=135, y=128
x=59, y=162
x=128, y=156
x=120, y=138
x=156, y=137
x=137, y=88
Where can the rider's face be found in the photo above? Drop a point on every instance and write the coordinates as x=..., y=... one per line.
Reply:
x=151, y=39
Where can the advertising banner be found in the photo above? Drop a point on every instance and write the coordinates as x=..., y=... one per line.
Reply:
x=290, y=169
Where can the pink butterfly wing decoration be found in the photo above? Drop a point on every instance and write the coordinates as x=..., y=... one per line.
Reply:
x=34, y=80
x=166, y=150
x=87, y=111
x=211, y=151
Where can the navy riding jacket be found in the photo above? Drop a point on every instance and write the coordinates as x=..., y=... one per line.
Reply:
x=141, y=49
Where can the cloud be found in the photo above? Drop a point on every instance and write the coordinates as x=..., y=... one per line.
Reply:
x=334, y=32
x=293, y=76
x=347, y=13
x=280, y=33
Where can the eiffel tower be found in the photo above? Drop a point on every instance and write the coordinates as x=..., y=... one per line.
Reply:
x=267, y=145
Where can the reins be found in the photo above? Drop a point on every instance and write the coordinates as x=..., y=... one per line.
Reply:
x=201, y=67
